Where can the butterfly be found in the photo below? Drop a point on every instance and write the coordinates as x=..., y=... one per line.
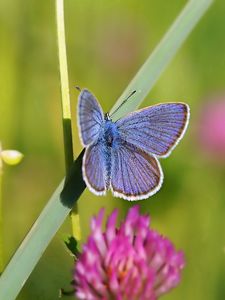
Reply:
x=123, y=155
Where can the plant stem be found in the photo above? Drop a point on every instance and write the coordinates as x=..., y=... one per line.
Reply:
x=1, y=219
x=66, y=109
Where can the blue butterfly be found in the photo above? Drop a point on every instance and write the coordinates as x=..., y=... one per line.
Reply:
x=123, y=155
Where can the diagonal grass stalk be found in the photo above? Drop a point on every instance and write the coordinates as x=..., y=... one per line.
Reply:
x=156, y=63
x=58, y=207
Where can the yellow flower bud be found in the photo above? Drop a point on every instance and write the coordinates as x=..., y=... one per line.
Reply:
x=11, y=157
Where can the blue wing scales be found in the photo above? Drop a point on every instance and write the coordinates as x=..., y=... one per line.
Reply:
x=135, y=174
x=94, y=169
x=90, y=117
x=155, y=129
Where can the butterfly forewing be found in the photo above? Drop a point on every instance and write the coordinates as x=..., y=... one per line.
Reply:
x=155, y=129
x=135, y=174
x=90, y=117
x=94, y=169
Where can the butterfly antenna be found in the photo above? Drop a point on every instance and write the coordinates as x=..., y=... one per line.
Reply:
x=124, y=101
x=78, y=88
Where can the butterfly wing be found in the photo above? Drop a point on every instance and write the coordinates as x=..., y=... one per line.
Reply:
x=93, y=169
x=135, y=174
x=156, y=129
x=90, y=117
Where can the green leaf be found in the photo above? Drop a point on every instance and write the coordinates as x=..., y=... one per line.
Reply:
x=59, y=205
x=153, y=67
x=41, y=233
x=72, y=245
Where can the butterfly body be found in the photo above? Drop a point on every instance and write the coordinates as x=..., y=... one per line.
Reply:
x=111, y=136
x=109, y=139
x=123, y=155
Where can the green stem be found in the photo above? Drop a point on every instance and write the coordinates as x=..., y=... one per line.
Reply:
x=66, y=109
x=1, y=220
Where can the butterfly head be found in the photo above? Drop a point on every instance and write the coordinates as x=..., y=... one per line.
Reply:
x=110, y=132
x=107, y=117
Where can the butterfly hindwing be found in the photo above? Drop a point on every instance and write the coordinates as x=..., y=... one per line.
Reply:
x=90, y=117
x=94, y=169
x=156, y=129
x=135, y=174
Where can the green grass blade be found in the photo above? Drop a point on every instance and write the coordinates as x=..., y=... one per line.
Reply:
x=161, y=56
x=58, y=207
x=41, y=233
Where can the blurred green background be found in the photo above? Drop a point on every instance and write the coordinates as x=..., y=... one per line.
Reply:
x=107, y=41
